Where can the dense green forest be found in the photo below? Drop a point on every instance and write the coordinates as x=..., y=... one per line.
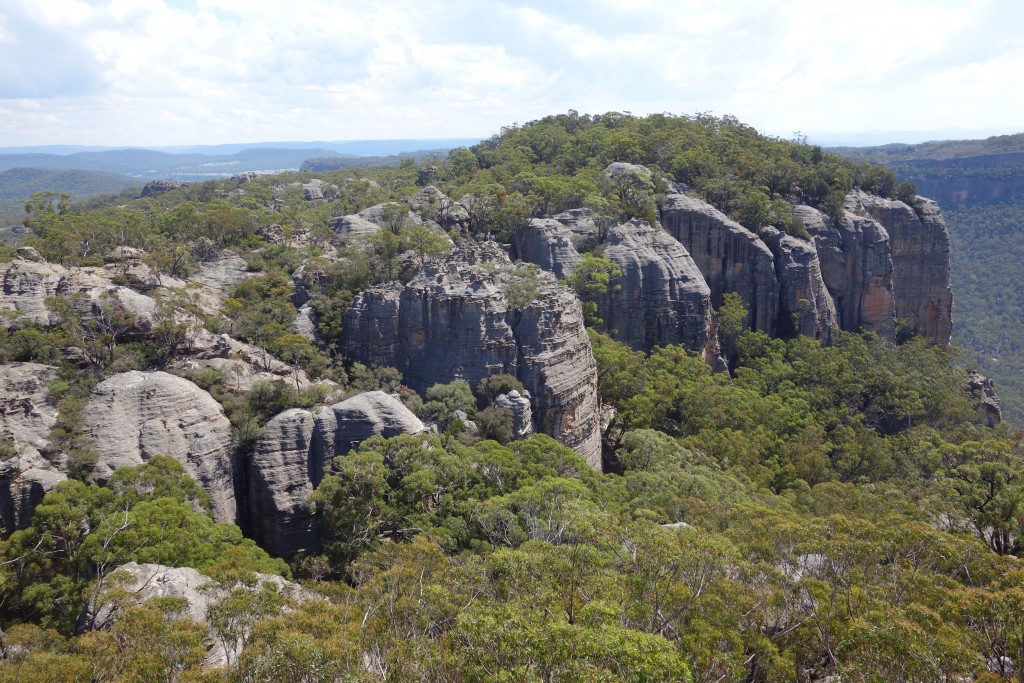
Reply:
x=816, y=511
x=18, y=184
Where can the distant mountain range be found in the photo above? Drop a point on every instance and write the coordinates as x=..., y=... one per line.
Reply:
x=202, y=162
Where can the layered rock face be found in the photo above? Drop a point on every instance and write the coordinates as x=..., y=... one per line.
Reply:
x=26, y=416
x=805, y=306
x=474, y=315
x=987, y=400
x=135, y=415
x=25, y=285
x=294, y=453
x=662, y=297
x=921, y=262
x=549, y=244
x=731, y=258
x=856, y=266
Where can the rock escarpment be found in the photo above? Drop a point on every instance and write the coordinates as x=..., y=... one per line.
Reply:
x=134, y=416
x=26, y=416
x=987, y=400
x=662, y=297
x=856, y=266
x=549, y=244
x=731, y=258
x=805, y=306
x=921, y=262
x=476, y=314
x=295, y=452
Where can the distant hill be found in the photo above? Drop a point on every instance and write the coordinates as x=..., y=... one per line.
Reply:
x=220, y=161
x=18, y=184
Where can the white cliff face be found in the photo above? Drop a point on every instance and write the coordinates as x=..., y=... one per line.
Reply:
x=134, y=416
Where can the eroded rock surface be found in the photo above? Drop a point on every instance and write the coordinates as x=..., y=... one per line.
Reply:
x=455, y=320
x=805, y=306
x=549, y=244
x=135, y=415
x=26, y=416
x=522, y=412
x=856, y=266
x=731, y=258
x=987, y=400
x=920, y=260
x=294, y=453
x=662, y=297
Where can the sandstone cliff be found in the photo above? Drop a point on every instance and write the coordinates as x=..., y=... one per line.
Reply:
x=26, y=416
x=731, y=258
x=476, y=314
x=805, y=306
x=662, y=297
x=920, y=260
x=135, y=415
x=295, y=452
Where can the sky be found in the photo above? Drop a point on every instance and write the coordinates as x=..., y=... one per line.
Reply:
x=182, y=72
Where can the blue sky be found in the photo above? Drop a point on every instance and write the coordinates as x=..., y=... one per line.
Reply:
x=168, y=72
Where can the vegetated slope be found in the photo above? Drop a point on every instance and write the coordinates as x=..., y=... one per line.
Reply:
x=18, y=184
x=820, y=510
x=980, y=186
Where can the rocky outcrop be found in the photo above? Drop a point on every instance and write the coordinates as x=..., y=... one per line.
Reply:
x=25, y=286
x=432, y=204
x=293, y=455
x=157, y=187
x=522, y=412
x=580, y=222
x=985, y=397
x=135, y=415
x=920, y=261
x=662, y=297
x=26, y=416
x=218, y=278
x=476, y=314
x=731, y=258
x=856, y=266
x=138, y=583
x=549, y=244
x=805, y=306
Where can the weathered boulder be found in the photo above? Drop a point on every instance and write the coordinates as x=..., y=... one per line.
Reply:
x=549, y=244
x=476, y=314
x=135, y=415
x=353, y=226
x=25, y=286
x=293, y=455
x=430, y=203
x=218, y=278
x=731, y=258
x=986, y=399
x=141, y=582
x=26, y=416
x=522, y=412
x=856, y=265
x=920, y=260
x=662, y=297
x=805, y=306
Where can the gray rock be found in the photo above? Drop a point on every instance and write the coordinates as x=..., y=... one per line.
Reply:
x=26, y=416
x=920, y=261
x=25, y=286
x=662, y=297
x=522, y=412
x=155, y=187
x=731, y=258
x=805, y=306
x=580, y=222
x=219, y=277
x=454, y=321
x=135, y=415
x=549, y=244
x=986, y=399
x=856, y=265
x=29, y=254
x=295, y=452
x=353, y=226
x=432, y=204
x=305, y=322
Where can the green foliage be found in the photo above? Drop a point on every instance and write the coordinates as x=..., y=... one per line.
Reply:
x=593, y=280
x=523, y=286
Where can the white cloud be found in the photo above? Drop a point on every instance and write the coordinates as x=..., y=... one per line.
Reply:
x=179, y=72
